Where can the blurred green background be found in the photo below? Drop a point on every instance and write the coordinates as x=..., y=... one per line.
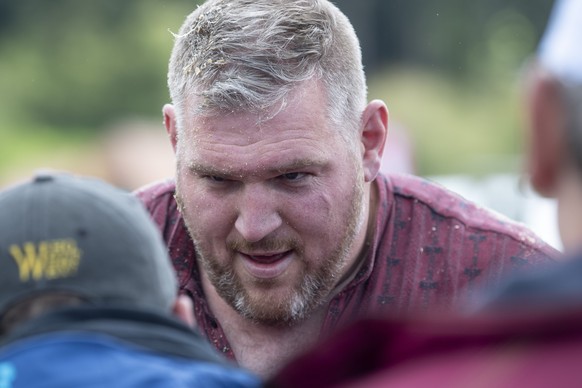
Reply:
x=82, y=82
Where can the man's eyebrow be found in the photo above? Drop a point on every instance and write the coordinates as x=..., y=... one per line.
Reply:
x=204, y=169
x=297, y=164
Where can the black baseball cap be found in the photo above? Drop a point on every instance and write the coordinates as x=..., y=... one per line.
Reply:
x=80, y=235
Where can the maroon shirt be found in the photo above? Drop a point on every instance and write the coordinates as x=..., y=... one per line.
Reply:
x=431, y=249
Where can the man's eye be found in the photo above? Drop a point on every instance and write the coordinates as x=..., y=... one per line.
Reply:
x=293, y=176
x=216, y=179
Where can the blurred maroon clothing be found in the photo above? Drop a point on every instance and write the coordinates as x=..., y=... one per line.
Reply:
x=431, y=250
x=517, y=350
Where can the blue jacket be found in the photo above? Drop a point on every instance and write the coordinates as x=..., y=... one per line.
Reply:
x=88, y=347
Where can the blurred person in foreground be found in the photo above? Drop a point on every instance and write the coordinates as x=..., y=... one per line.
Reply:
x=527, y=332
x=88, y=297
x=279, y=225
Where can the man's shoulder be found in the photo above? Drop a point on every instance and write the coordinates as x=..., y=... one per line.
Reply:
x=438, y=217
x=158, y=199
x=440, y=199
x=444, y=203
x=156, y=192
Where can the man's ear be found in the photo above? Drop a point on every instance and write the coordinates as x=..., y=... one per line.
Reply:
x=170, y=124
x=183, y=309
x=547, y=134
x=373, y=137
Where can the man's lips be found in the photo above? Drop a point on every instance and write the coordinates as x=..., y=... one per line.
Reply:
x=266, y=258
x=266, y=265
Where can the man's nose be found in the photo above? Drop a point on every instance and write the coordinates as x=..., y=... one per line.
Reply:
x=257, y=213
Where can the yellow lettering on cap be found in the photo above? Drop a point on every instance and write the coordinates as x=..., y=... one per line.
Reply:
x=47, y=259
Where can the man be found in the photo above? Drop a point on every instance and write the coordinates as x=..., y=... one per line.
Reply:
x=279, y=225
x=528, y=332
x=87, y=293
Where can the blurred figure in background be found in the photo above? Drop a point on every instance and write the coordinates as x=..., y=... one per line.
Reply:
x=87, y=293
x=526, y=333
x=554, y=159
x=555, y=119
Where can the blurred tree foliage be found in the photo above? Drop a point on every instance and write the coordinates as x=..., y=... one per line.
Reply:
x=456, y=36
x=78, y=65
x=453, y=67
x=83, y=63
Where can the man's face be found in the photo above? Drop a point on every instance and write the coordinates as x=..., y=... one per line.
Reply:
x=273, y=207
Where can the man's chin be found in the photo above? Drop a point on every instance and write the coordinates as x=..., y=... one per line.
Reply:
x=281, y=301
x=267, y=310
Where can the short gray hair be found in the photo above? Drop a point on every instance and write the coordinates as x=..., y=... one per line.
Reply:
x=248, y=55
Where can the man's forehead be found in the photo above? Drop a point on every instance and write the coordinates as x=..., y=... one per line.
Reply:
x=243, y=129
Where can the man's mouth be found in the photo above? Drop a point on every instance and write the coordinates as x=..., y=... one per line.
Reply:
x=267, y=258
x=267, y=265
